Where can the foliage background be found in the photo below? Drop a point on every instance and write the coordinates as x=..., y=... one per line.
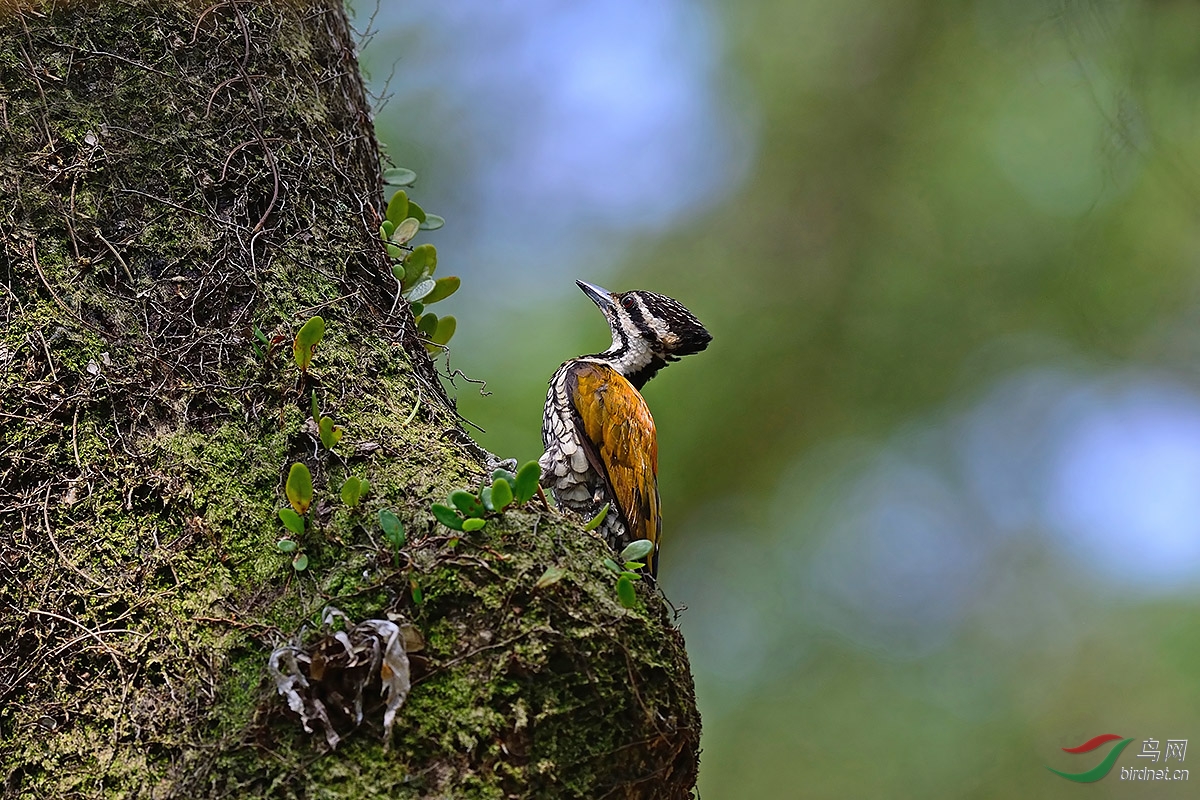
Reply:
x=932, y=496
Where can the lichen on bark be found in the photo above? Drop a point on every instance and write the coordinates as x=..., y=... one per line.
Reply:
x=172, y=175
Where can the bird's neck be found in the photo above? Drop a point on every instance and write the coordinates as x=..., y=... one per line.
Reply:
x=632, y=358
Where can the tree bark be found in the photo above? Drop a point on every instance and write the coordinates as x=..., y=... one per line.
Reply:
x=172, y=177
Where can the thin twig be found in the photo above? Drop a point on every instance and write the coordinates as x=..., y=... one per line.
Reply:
x=49, y=360
x=54, y=542
x=116, y=255
x=93, y=634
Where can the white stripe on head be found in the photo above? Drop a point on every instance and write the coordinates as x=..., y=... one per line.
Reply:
x=660, y=327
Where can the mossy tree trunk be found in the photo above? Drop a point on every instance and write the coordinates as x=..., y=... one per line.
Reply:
x=171, y=177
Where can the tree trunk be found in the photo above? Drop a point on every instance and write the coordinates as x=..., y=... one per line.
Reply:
x=172, y=177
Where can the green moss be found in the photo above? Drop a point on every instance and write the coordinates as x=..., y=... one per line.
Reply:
x=152, y=445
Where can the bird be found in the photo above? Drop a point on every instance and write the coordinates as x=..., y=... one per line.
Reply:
x=599, y=437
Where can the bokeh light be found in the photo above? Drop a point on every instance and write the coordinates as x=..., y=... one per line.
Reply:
x=568, y=127
x=932, y=496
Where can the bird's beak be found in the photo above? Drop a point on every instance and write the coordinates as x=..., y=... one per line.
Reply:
x=601, y=297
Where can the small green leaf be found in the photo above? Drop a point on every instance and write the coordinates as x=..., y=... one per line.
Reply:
x=485, y=495
x=527, y=482
x=467, y=503
x=365, y=487
x=386, y=230
x=422, y=257
x=633, y=576
x=638, y=550
x=299, y=487
x=330, y=434
x=292, y=521
x=286, y=546
x=405, y=230
x=307, y=339
x=421, y=290
x=432, y=222
x=262, y=337
x=595, y=521
x=443, y=288
x=445, y=329
x=633, y=565
x=393, y=531
x=506, y=475
x=399, y=176
x=416, y=212
x=413, y=276
x=446, y=516
x=421, y=263
x=625, y=592
x=427, y=324
x=351, y=491
x=395, y=252
x=453, y=543
x=551, y=576
x=314, y=407
x=397, y=208
x=417, y=308
x=473, y=524
x=417, y=596
x=612, y=565
x=300, y=562
x=501, y=494
x=393, y=528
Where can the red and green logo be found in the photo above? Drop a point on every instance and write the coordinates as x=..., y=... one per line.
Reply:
x=1100, y=770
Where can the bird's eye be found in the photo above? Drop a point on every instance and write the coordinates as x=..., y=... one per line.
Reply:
x=627, y=302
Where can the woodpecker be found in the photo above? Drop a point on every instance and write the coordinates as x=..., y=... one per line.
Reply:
x=600, y=442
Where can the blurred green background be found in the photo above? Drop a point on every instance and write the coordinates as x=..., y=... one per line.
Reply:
x=932, y=496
